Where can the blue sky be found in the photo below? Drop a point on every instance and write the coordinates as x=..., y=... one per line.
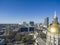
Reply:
x=17, y=11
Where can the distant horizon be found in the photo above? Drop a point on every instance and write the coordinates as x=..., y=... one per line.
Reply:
x=50, y=21
x=28, y=22
x=18, y=11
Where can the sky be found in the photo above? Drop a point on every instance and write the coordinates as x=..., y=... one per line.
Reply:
x=18, y=11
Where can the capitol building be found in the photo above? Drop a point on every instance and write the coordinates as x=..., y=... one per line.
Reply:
x=53, y=32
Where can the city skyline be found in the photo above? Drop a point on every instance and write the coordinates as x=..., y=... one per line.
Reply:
x=17, y=11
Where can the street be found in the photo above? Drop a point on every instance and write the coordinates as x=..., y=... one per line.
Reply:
x=40, y=41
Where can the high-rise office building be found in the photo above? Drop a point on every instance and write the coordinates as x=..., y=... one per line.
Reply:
x=31, y=23
x=46, y=22
x=25, y=24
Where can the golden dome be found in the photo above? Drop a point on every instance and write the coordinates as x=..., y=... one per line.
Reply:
x=54, y=28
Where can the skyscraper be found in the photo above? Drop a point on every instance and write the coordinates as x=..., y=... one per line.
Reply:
x=25, y=24
x=46, y=22
x=31, y=23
